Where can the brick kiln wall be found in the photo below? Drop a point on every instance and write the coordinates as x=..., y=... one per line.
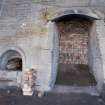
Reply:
x=74, y=42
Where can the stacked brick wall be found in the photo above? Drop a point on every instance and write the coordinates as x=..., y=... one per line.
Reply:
x=73, y=42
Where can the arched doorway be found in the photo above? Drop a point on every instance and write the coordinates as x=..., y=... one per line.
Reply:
x=74, y=50
x=11, y=68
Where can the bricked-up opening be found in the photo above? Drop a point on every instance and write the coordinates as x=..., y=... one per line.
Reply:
x=73, y=52
x=11, y=60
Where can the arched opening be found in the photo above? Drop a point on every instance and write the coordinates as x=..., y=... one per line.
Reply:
x=74, y=50
x=11, y=60
x=11, y=69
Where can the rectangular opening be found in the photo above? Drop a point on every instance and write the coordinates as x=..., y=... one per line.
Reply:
x=73, y=53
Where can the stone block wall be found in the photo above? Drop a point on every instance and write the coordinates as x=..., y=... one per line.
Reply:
x=23, y=27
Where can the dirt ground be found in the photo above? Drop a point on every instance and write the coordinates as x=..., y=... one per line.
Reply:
x=13, y=97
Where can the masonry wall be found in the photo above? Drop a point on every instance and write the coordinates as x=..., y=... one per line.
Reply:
x=23, y=27
x=100, y=26
x=95, y=58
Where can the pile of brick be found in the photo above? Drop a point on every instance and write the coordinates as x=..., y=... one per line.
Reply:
x=29, y=82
